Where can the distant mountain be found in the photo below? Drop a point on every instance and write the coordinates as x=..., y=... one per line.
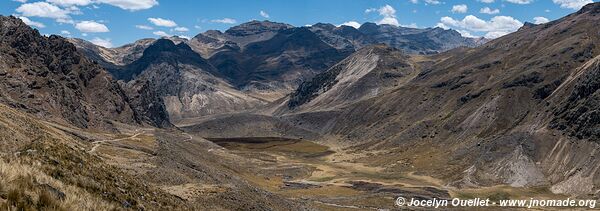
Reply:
x=46, y=76
x=409, y=40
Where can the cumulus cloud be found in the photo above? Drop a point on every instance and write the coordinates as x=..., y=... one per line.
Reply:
x=43, y=10
x=181, y=29
x=487, y=10
x=91, y=27
x=264, y=14
x=32, y=23
x=520, y=1
x=224, y=20
x=496, y=27
x=65, y=32
x=388, y=13
x=161, y=33
x=144, y=27
x=131, y=5
x=461, y=8
x=540, y=20
x=162, y=22
x=572, y=4
x=351, y=23
x=102, y=42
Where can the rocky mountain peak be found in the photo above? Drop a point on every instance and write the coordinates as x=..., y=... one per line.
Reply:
x=48, y=77
x=162, y=51
x=326, y=26
x=256, y=27
x=368, y=28
x=592, y=8
x=527, y=25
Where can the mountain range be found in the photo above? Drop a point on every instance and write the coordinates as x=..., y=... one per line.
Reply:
x=250, y=64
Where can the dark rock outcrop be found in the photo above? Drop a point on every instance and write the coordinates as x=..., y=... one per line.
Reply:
x=46, y=76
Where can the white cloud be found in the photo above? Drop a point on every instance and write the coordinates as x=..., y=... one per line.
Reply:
x=43, y=10
x=224, y=20
x=181, y=29
x=162, y=22
x=144, y=27
x=520, y=1
x=443, y=26
x=465, y=33
x=161, y=33
x=412, y=25
x=487, y=10
x=497, y=26
x=65, y=32
x=66, y=3
x=572, y=4
x=20, y=1
x=32, y=23
x=264, y=14
x=131, y=5
x=91, y=27
x=351, y=23
x=487, y=1
x=461, y=8
x=414, y=1
x=540, y=20
x=433, y=2
x=388, y=13
x=102, y=42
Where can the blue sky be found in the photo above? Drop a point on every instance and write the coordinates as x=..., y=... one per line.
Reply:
x=117, y=22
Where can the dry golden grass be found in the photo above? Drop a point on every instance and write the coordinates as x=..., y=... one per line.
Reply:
x=24, y=187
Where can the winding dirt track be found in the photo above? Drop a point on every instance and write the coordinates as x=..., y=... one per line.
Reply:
x=99, y=143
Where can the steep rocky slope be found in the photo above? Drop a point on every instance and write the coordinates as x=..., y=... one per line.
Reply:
x=370, y=71
x=173, y=82
x=46, y=76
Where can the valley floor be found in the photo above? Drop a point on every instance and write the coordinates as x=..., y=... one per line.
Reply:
x=323, y=177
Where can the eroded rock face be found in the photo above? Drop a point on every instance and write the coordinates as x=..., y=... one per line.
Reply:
x=362, y=75
x=46, y=76
x=579, y=114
